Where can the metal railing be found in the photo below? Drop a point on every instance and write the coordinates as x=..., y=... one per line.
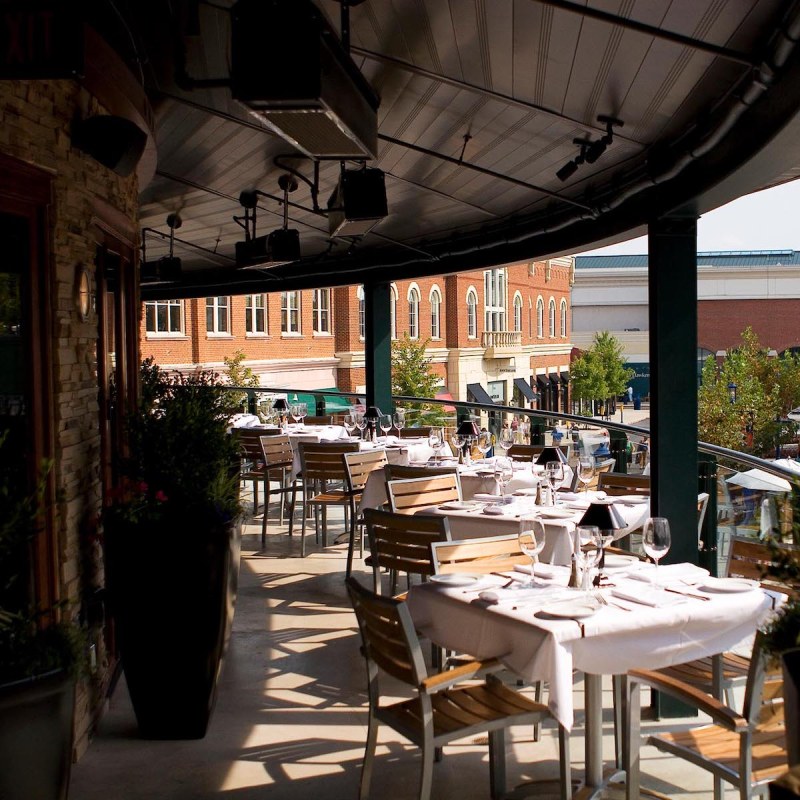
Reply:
x=732, y=510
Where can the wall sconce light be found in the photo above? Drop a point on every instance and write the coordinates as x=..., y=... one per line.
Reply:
x=84, y=296
x=732, y=392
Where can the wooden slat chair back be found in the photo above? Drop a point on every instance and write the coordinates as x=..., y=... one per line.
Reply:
x=599, y=470
x=359, y=466
x=746, y=749
x=530, y=452
x=492, y=554
x=619, y=483
x=440, y=710
x=414, y=494
x=277, y=455
x=324, y=478
x=750, y=558
x=401, y=543
x=318, y=420
x=415, y=433
x=397, y=472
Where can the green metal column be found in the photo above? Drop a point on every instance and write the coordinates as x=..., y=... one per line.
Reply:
x=378, y=345
x=672, y=285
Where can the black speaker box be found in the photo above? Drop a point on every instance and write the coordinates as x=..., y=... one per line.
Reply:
x=116, y=142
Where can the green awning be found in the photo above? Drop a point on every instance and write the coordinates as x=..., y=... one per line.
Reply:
x=333, y=403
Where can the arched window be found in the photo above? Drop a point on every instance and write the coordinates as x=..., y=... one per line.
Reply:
x=436, y=310
x=393, y=311
x=362, y=313
x=564, y=319
x=540, y=318
x=552, y=318
x=518, y=313
x=413, y=312
x=472, y=314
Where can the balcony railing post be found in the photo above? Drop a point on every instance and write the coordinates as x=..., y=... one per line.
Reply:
x=252, y=404
x=618, y=445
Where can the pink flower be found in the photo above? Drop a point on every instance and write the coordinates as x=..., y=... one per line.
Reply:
x=141, y=487
x=161, y=497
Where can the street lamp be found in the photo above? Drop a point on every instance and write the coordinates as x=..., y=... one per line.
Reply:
x=732, y=392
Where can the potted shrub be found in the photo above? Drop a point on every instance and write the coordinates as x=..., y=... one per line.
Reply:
x=172, y=543
x=39, y=654
x=783, y=641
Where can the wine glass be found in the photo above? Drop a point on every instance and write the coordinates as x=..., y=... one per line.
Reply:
x=585, y=471
x=458, y=441
x=531, y=542
x=554, y=470
x=503, y=472
x=302, y=412
x=590, y=552
x=361, y=422
x=349, y=423
x=505, y=440
x=385, y=422
x=485, y=442
x=656, y=540
x=436, y=441
x=294, y=410
x=399, y=419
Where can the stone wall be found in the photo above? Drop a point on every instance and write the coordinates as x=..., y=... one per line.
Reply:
x=36, y=121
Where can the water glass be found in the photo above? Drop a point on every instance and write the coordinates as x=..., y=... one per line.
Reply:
x=385, y=422
x=531, y=540
x=436, y=441
x=590, y=551
x=505, y=440
x=554, y=470
x=361, y=422
x=656, y=540
x=485, y=442
x=302, y=411
x=349, y=423
x=503, y=472
x=399, y=419
x=585, y=471
x=294, y=410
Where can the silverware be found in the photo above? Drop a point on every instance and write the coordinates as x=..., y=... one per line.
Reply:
x=606, y=602
x=687, y=594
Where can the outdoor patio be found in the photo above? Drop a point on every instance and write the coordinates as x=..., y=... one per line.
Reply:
x=290, y=720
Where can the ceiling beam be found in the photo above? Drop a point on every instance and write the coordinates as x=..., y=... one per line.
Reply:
x=471, y=87
x=652, y=30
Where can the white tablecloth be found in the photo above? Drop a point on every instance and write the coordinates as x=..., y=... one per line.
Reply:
x=612, y=641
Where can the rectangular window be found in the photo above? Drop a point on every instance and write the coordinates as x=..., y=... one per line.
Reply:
x=321, y=310
x=255, y=313
x=290, y=312
x=495, y=299
x=163, y=317
x=217, y=314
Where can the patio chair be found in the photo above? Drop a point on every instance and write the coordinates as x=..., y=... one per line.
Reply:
x=397, y=472
x=530, y=452
x=358, y=467
x=328, y=420
x=403, y=543
x=276, y=451
x=252, y=458
x=491, y=554
x=415, y=433
x=746, y=749
x=324, y=480
x=414, y=494
x=620, y=483
x=441, y=711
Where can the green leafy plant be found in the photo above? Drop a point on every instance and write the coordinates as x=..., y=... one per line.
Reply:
x=182, y=462
x=32, y=641
x=413, y=376
x=240, y=375
x=783, y=630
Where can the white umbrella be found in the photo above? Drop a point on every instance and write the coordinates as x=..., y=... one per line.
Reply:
x=794, y=414
x=760, y=480
x=788, y=463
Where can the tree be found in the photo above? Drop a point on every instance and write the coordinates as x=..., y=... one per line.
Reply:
x=240, y=375
x=600, y=373
x=412, y=375
x=766, y=389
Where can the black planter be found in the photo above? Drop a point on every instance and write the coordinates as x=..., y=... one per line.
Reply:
x=172, y=589
x=791, y=698
x=36, y=737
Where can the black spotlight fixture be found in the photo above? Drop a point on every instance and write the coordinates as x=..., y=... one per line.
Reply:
x=590, y=150
x=358, y=203
x=282, y=246
x=167, y=268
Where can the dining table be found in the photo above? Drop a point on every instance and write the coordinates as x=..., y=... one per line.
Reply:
x=547, y=632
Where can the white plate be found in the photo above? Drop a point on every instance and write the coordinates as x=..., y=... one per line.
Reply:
x=613, y=560
x=569, y=609
x=555, y=513
x=457, y=505
x=630, y=499
x=527, y=492
x=456, y=579
x=728, y=585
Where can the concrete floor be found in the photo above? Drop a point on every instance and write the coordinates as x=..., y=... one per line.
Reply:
x=290, y=719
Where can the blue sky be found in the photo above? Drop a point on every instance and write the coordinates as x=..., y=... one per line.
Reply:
x=768, y=220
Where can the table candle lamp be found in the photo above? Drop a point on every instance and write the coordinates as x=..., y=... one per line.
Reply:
x=551, y=454
x=609, y=521
x=282, y=407
x=469, y=430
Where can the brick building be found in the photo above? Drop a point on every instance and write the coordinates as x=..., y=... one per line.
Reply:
x=735, y=289
x=504, y=331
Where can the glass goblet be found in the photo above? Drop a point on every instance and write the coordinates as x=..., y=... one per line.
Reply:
x=485, y=442
x=503, y=472
x=554, y=471
x=531, y=541
x=505, y=440
x=590, y=552
x=385, y=422
x=361, y=423
x=399, y=419
x=585, y=471
x=656, y=541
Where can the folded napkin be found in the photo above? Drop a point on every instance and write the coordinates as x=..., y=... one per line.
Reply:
x=496, y=510
x=540, y=595
x=569, y=496
x=542, y=570
x=673, y=572
x=485, y=497
x=656, y=598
